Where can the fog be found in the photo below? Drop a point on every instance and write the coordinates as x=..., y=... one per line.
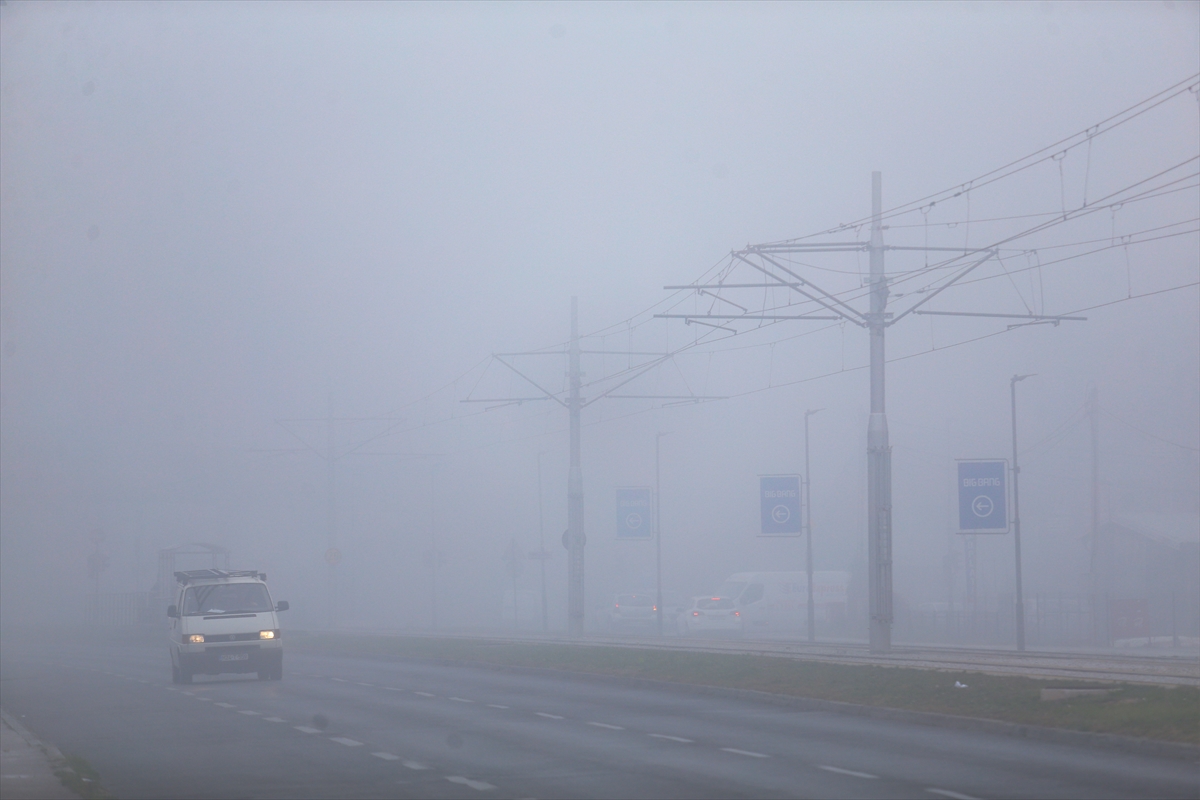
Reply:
x=223, y=224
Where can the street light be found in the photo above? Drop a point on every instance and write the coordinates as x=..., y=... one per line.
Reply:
x=658, y=600
x=1020, y=609
x=812, y=614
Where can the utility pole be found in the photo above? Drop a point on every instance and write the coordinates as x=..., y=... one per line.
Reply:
x=542, y=548
x=879, y=451
x=812, y=612
x=658, y=601
x=575, y=535
x=1094, y=415
x=1020, y=603
x=332, y=556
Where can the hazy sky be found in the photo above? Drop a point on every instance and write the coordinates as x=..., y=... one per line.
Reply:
x=214, y=216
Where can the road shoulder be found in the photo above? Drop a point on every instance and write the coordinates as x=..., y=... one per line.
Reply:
x=27, y=765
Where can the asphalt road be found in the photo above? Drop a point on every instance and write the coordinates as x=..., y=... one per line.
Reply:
x=408, y=729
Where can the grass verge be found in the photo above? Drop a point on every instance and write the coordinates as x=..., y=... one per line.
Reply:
x=1153, y=712
x=77, y=775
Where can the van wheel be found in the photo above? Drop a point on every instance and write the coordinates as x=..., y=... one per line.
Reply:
x=175, y=676
x=184, y=676
x=265, y=675
x=277, y=675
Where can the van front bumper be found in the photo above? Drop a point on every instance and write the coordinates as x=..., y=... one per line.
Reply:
x=217, y=659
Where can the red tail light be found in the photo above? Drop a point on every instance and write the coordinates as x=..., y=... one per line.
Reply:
x=737, y=613
x=656, y=608
x=695, y=613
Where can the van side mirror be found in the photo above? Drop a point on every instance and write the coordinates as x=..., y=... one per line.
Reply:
x=172, y=611
x=282, y=605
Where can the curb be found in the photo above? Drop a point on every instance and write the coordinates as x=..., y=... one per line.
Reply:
x=50, y=750
x=1108, y=741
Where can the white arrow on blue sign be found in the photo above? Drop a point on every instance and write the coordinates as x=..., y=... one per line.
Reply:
x=635, y=513
x=983, y=496
x=779, y=502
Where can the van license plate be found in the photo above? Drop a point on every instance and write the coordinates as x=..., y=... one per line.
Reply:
x=234, y=657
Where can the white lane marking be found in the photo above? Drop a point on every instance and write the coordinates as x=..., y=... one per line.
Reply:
x=306, y=729
x=414, y=765
x=274, y=719
x=249, y=713
x=750, y=753
x=360, y=683
x=670, y=738
x=951, y=795
x=226, y=705
x=345, y=741
x=547, y=716
x=606, y=725
x=190, y=694
x=478, y=786
x=393, y=689
x=850, y=772
x=493, y=705
x=170, y=688
x=139, y=680
x=386, y=756
x=340, y=680
x=425, y=694
x=204, y=699
x=460, y=699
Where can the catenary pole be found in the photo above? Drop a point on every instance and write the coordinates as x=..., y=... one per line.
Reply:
x=658, y=600
x=575, y=533
x=812, y=612
x=879, y=452
x=542, y=548
x=1019, y=609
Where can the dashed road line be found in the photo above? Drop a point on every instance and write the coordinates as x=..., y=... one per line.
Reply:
x=670, y=738
x=606, y=725
x=425, y=694
x=547, y=716
x=950, y=794
x=393, y=689
x=852, y=773
x=204, y=699
x=493, y=705
x=360, y=683
x=306, y=729
x=386, y=756
x=190, y=694
x=340, y=680
x=478, y=786
x=249, y=713
x=345, y=741
x=226, y=705
x=274, y=719
x=460, y=699
x=414, y=765
x=749, y=753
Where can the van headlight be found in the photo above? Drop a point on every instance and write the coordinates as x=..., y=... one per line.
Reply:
x=196, y=638
x=267, y=635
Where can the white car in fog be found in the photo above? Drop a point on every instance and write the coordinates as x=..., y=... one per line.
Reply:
x=715, y=615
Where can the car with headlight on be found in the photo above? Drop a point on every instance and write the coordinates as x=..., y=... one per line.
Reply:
x=224, y=621
x=713, y=616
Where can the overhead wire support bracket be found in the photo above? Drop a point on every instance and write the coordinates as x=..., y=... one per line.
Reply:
x=1045, y=317
x=749, y=316
x=854, y=316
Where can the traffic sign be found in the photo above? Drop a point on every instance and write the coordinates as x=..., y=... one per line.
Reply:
x=635, y=513
x=983, y=496
x=779, y=502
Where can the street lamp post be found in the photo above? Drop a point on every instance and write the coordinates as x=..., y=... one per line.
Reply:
x=1020, y=604
x=658, y=600
x=812, y=614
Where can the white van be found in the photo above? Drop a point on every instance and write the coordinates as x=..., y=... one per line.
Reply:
x=777, y=602
x=224, y=621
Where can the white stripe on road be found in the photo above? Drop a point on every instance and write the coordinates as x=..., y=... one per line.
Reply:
x=226, y=705
x=951, y=795
x=460, y=700
x=750, y=753
x=478, y=786
x=340, y=680
x=386, y=756
x=425, y=694
x=205, y=699
x=393, y=689
x=850, y=772
x=360, y=683
x=274, y=719
x=493, y=705
x=345, y=741
x=250, y=713
x=606, y=725
x=414, y=765
x=190, y=694
x=306, y=729
x=547, y=716
x=670, y=738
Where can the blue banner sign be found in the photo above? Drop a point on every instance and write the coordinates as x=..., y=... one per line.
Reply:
x=983, y=496
x=779, y=500
x=635, y=510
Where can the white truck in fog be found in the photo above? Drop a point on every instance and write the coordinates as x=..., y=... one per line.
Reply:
x=777, y=602
x=224, y=621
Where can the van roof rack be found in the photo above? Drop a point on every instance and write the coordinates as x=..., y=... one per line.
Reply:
x=187, y=576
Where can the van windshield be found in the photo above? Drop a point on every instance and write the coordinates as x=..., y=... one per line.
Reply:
x=225, y=598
